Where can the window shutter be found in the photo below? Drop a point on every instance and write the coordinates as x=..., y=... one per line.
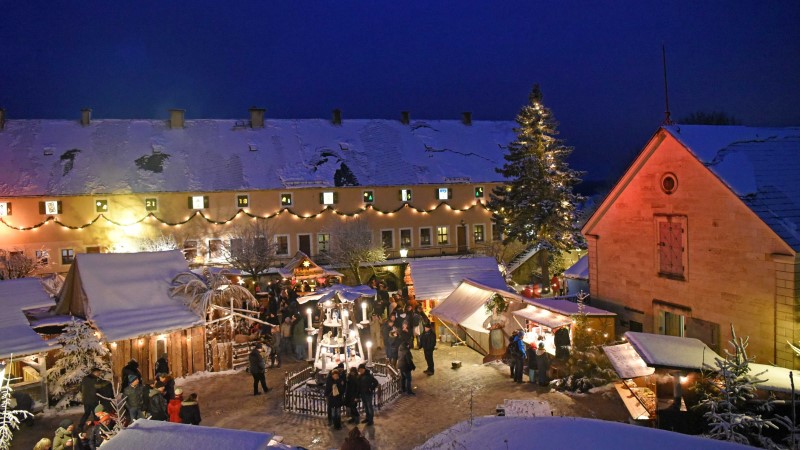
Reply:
x=58, y=208
x=400, y=195
x=205, y=201
x=42, y=211
x=335, y=197
x=190, y=205
x=8, y=208
x=449, y=193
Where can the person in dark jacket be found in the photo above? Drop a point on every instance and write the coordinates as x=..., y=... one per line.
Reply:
x=562, y=343
x=532, y=358
x=542, y=365
x=392, y=346
x=135, y=401
x=405, y=364
x=427, y=340
x=157, y=403
x=334, y=393
x=162, y=365
x=258, y=369
x=169, y=385
x=190, y=410
x=367, y=384
x=89, y=386
x=518, y=356
x=351, y=395
x=132, y=368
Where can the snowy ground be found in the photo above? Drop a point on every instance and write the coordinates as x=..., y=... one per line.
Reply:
x=442, y=401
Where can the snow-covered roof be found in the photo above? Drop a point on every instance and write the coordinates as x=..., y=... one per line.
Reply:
x=543, y=317
x=626, y=361
x=61, y=157
x=466, y=305
x=491, y=432
x=347, y=293
x=157, y=435
x=775, y=378
x=126, y=295
x=17, y=338
x=579, y=270
x=566, y=307
x=436, y=278
x=673, y=352
x=760, y=165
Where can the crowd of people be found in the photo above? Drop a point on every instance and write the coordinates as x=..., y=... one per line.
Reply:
x=531, y=355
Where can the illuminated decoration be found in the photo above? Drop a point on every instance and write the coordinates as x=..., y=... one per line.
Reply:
x=202, y=215
x=369, y=197
x=328, y=198
x=198, y=202
x=306, y=264
x=243, y=201
x=479, y=192
x=286, y=199
x=403, y=253
x=50, y=207
x=5, y=209
x=405, y=195
x=101, y=206
x=444, y=194
x=151, y=204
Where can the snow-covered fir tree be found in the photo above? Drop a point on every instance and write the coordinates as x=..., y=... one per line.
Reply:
x=733, y=414
x=81, y=350
x=9, y=418
x=536, y=204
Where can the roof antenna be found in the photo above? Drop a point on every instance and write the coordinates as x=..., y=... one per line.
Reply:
x=667, y=120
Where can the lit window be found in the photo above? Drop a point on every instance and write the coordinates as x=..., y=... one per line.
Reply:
x=67, y=256
x=444, y=194
x=425, y=237
x=151, y=204
x=479, y=192
x=243, y=201
x=442, y=237
x=282, y=245
x=101, y=206
x=405, y=195
x=5, y=209
x=286, y=199
x=198, y=202
x=369, y=197
x=478, y=233
x=387, y=238
x=43, y=257
x=405, y=238
x=323, y=242
x=328, y=198
x=50, y=207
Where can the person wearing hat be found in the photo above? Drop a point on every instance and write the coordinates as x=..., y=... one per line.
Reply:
x=162, y=365
x=63, y=435
x=258, y=368
x=89, y=396
x=367, y=383
x=135, y=398
x=427, y=340
x=132, y=368
x=157, y=404
x=190, y=410
x=169, y=385
x=174, y=406
x=101, y=429
x=542, y=365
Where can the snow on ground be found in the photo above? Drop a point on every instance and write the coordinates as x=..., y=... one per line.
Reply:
x=202, y=376
x=492, y=432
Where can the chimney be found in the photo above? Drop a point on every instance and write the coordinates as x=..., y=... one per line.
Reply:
x=466, y=118
x=86, y=116
x=337, y=117
x=2, y=118
x=176, y=118
x=257, y=117
x=405, y=117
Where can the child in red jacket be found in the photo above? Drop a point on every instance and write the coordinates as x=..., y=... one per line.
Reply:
x=174, y=406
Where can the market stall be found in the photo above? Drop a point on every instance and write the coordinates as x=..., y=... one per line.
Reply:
x=305, y=276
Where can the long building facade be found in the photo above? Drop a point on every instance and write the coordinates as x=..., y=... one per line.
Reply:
x=69, y=187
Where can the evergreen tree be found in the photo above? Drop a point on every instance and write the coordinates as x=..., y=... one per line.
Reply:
x=81, y=351
x=9, y=418
x=536, y=204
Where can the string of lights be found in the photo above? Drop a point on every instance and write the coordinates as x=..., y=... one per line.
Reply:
x=201, y=214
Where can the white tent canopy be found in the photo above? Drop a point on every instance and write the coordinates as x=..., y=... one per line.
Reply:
x=126, y=295
x=16, y=335
x=543, y=316
x=157, y=435
x=673, y=352
x=436, y=278
x=626, y=361
x=466, y=305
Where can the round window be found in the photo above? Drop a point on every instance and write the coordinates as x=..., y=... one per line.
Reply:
x=669, y=183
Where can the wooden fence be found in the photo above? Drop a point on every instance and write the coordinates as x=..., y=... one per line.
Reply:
x=312, y=401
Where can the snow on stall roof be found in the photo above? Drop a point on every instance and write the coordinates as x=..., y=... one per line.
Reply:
x=673, y=351
x=158, y=435
x=579, y=270
x=626, y=361
x=564, y=433
x=436, y=278
x=466, y=305
x=17, y=338
x=775, y=378
x=127, y=294
x=566, y=307
x=760, y=165
x=543, y=317
x=61, y=157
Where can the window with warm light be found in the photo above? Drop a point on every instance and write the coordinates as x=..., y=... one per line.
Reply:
x=328, y=198
x=282, y=244
x=323, y=242
x=425, y=237
x=286, y=199
x=5, y=209
x=478, y=191
x=369, y=197
x=151, y=204
x=405, y=237
x=478, y=233
x=444, y=194
x=405, y=195
x=198, y=202
x=387, y=239
x=101, y=206
x=442, y=235
x=67, y=255
x=50, y=207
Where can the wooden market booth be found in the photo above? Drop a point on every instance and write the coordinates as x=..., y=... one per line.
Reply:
x=306, y=276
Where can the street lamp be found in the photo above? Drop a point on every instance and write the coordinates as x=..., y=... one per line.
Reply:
x=403, y=253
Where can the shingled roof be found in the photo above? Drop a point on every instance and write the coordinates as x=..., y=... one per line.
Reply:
x=60, y=157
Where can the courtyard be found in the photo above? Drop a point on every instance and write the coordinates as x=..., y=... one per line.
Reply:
x=446, y=398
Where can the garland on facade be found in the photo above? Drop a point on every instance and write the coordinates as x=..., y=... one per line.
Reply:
x=199, y=213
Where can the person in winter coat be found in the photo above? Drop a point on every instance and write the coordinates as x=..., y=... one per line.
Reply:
x=101, y=430
x=63, y=437
x=135, y=398
x=405, y=364
x=542, y=365
x=427, y=340
x=518, y=356
x=355, y=441
x=89, y=386
x=169, y=385
x=83, y=441
x=157, y=403
x=532, y=362
x=162, y=365
x=258, y=369
x=367, y=384
x=392, y=347
x=334, y=393
x=132, y=368
x=190, y=410
x=351, y=395
x=174, y=406
x=43, y=444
